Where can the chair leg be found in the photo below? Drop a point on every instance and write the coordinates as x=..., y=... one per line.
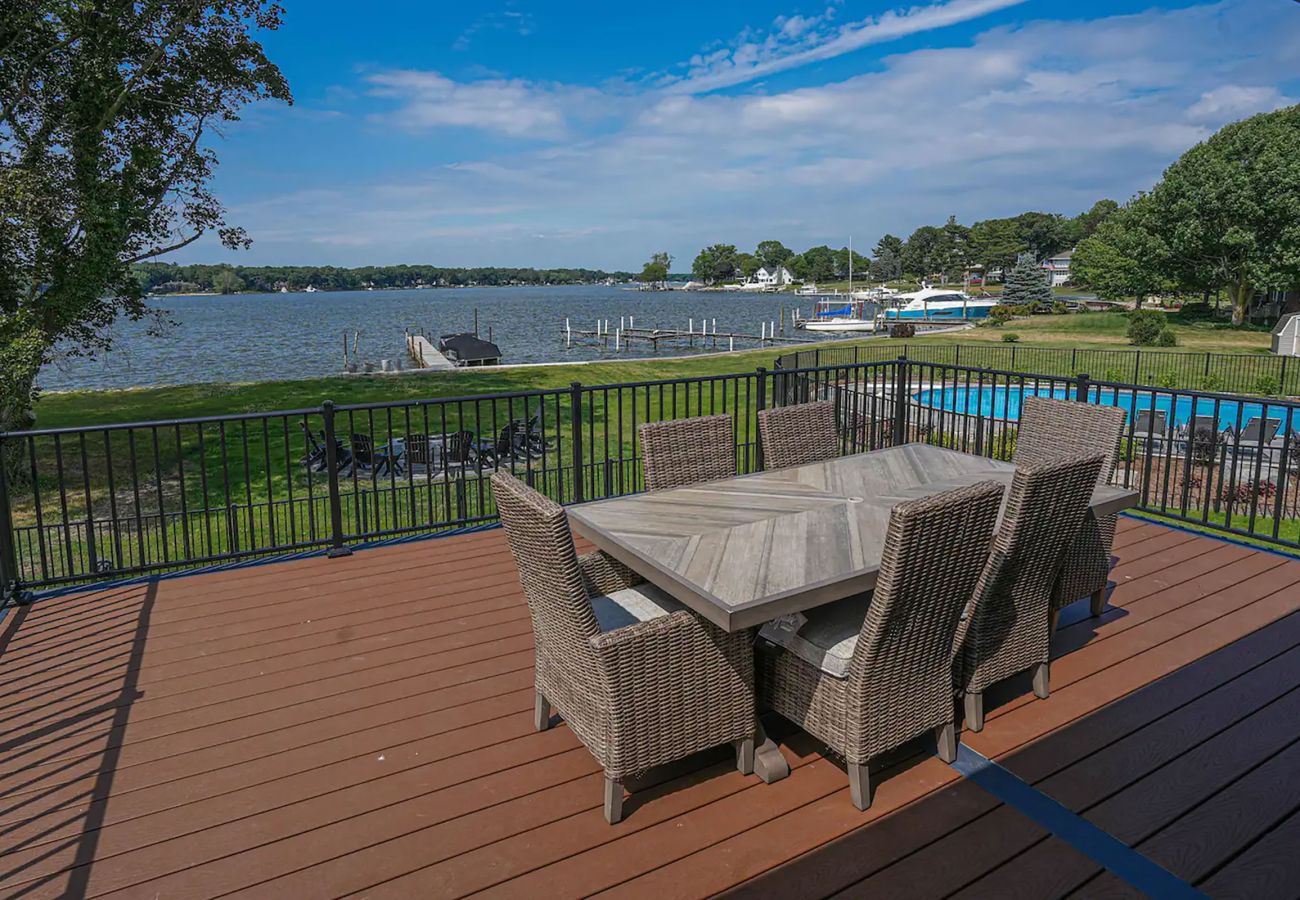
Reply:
x=974, y=704
x=745, y=756
x=1042, y=673
x=1097, y=603
x=946, y=737
x=613, y=800
x=541, y=713
x=860, y=785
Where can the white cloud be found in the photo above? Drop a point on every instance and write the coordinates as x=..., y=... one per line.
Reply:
x=511, y=107
x=1236, y=101
x=797, y=41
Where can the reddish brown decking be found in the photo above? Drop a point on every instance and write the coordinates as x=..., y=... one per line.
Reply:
x=324, y=727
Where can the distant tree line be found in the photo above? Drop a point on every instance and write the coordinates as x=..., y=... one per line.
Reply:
x=225, y=279
x=943, y=252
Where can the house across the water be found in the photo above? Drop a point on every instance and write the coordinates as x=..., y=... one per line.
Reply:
x=1058, y=267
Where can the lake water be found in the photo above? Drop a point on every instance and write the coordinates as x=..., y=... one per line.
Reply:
x=261, y=337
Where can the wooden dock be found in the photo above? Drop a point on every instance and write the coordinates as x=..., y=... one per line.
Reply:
x=426, y=355
x=627, y=338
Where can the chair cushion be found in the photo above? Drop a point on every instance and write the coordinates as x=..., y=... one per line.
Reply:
x=829, y=637
x=631, y=605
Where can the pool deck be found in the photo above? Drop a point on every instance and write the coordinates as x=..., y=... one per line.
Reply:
x=363, y=726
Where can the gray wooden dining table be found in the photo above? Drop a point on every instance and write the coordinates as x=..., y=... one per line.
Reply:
x=745, y=550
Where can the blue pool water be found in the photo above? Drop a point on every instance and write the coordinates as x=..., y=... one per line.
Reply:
x=1003, y=402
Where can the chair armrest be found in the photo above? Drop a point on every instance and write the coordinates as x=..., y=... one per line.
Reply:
x=603, y=574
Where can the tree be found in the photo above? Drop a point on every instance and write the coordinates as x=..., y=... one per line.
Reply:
x=747, y=264
x=1044, y=234
x=103, y=111
x=656, y=270
x=1086, y=224
x=227, y=282
x=773, y=253
x=996, y=243
x=814, y=264
x=919, y=253
x=1123, y=258
x=887, y=261
x=861, y=265
x=716, y=263
x=953, y=251
x=1026, y=284
x=1228, y=210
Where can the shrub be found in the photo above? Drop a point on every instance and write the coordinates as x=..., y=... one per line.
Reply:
x=1167, y=338
x=1010, y=337
x=1060, y=308
x=1247, y=492
x=1211, y=383
x=1145, y=327
x=1266, y=386
x=902, y=330
x=1166, y=379
x=1001, y=314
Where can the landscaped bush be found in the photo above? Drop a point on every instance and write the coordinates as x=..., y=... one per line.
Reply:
x=902, y=330
x=1266, y=386
x=1145, y=326
x=1010, y=337
x=1060, y=308
x=1247, y=491
x=1167, y=338
x=1001, y=314
x=1211, y=383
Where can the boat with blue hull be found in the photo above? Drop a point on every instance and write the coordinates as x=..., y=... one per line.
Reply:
x=940, y=303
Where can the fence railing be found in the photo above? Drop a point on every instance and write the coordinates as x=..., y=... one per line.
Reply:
x=1237, y=373
x=87, y=504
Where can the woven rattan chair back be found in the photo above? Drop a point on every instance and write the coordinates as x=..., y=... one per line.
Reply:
x=682, y=452
x=537, y=530
x=1051, y=428
x=798, y=435
x=935, y=548
x=1005, y=630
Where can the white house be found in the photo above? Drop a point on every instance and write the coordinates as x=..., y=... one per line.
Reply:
x=773, y=276
x=1058, y=267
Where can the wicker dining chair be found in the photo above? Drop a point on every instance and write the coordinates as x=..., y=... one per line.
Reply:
x=640, y=679
x=799, y=434
x=1005, y=631
x=1048, y=429
x=680, y=452
x=869, y=673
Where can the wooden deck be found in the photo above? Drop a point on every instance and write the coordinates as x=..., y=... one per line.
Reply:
x=362, y=726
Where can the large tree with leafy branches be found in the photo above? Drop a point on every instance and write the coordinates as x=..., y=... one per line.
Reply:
x=106, y=108
x=1228, y=210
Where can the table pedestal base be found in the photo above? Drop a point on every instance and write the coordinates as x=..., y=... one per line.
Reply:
x=769, y=764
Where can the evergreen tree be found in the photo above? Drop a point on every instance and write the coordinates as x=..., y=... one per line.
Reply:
x=1026, y=284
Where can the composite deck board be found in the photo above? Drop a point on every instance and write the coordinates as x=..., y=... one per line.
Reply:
x=323, y=727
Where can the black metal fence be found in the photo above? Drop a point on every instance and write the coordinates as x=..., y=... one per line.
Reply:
x=86, y=504
x=1238, y=373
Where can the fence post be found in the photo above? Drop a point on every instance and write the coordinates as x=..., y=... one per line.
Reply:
x=1281, y=382
x=332, y=466
x=1081, y=388
x=10, y=584
x=1137, y=366
x=761, y=375
x=902, y=381
x=957, y=361
x=1206, y=373
x=575, y=425
x=1074, y=366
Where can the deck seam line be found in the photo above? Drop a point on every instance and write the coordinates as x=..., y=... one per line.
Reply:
x=1100, y=846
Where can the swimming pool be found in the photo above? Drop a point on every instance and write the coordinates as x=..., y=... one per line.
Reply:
x=1003, y=402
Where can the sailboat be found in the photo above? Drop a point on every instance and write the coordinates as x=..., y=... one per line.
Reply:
x=855, y=312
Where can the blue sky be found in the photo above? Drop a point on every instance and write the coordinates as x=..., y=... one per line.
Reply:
x=522, y=132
